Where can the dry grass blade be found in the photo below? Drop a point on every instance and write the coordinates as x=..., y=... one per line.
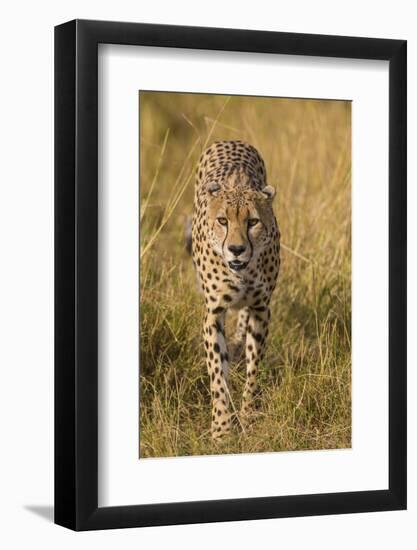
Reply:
x=155, y=178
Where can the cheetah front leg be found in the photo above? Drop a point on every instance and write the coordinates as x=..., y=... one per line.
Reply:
x=217, y=366
x=257, y=333
x=237, y=342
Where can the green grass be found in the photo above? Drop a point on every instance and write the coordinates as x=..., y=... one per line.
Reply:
x=305, y=379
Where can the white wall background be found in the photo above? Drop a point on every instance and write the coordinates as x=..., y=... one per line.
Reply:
x=26, y=272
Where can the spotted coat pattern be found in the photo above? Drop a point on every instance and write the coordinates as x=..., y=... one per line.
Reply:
x=235, y=248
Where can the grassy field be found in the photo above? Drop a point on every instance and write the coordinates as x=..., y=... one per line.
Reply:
x=305, y=379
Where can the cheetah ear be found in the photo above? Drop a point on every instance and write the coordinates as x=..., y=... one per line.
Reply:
x=212, y=188
x=268, y=192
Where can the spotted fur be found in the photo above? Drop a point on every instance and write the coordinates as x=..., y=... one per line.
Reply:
x=235, y=248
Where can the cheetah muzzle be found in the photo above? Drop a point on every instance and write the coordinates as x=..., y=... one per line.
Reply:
x=237, y=265
x=235, y=249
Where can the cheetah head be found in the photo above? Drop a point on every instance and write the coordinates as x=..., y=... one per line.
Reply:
x=241, y=223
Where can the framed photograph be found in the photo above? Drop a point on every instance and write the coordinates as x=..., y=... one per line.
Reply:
x=230, y=254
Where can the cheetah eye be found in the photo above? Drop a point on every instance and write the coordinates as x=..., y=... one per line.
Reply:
x=252, y=222
x=222, y=221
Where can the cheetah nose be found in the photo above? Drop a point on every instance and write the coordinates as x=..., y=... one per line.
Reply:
x=236, y=249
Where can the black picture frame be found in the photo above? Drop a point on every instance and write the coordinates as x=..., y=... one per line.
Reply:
x=76, y=272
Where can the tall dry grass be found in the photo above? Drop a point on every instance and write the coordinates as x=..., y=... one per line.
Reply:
x=305, y=379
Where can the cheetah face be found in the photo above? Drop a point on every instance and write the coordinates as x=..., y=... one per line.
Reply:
x=241, y=223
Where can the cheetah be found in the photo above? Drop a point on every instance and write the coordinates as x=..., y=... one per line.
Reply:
x=235, y=244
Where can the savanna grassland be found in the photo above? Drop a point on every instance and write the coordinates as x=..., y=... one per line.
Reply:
x=305, y=379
